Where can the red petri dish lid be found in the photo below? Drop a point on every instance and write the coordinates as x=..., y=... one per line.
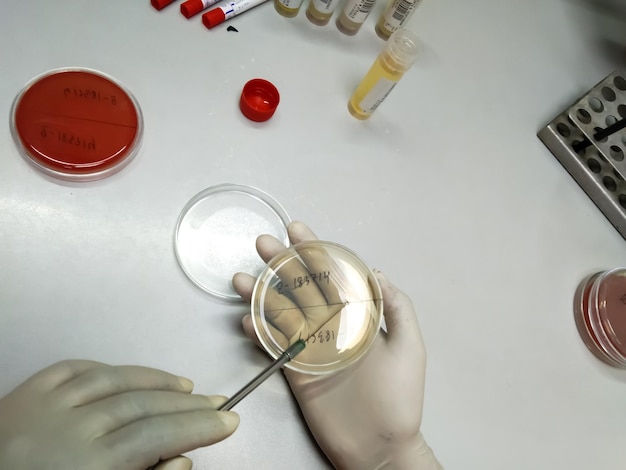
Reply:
x=611, y=309
x=76, y=124
x=259, y=100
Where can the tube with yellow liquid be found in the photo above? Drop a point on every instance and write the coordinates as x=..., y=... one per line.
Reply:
x=394, y=60
x=288, y=8
x=320, y=11
x=395, y=16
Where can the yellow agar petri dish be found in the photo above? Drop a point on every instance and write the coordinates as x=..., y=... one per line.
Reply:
x=323, y=293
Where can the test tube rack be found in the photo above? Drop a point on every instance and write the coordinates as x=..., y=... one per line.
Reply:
x=589, y=139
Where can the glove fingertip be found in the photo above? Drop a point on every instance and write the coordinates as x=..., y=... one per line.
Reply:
x=230, y=420
x=186, y=384
x=177, y=463
x=248, y=327
x=298, y=231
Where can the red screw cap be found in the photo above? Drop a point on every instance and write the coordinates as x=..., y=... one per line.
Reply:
x=259, y=100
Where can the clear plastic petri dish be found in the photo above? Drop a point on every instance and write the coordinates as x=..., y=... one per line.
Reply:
x=216, y=235
x=76, y=124
x=600, y=315
x=323, y=293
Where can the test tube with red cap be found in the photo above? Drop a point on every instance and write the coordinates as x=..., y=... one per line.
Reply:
x=222, y=13
x=160, y=4
x=190, y=8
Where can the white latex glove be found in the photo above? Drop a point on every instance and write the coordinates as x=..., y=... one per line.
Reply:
x=90, y=416
x=367, y=416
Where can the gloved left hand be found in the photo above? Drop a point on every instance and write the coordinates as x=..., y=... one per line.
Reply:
x=369, y=414
x=92, y=416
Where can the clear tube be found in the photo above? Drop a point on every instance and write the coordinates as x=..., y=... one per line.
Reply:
x=353, y=15
x=288, y=8
x=395, y=16
x=319, y=12
x=394, y=60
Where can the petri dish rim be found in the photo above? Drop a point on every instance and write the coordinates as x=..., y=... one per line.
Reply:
x=583, y=321
x=131, y=152
x=587, y=319
x=274, y=349
x=600, y=319
x=250, y=191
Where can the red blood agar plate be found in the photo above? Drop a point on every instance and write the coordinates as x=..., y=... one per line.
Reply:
x=600, y=314
x=76, y=124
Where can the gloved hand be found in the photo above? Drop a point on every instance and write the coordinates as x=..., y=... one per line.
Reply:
x=368, y=415
x=90, y=416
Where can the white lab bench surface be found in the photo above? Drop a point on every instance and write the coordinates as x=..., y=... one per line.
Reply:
x=446, y=189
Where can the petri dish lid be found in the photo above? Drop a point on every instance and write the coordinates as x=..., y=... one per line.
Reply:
x=321, y=292
x=610, y=316
x=76, y=124
x=216, y=235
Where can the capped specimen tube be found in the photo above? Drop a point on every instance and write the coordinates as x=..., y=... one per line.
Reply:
x=288, y=8
x=394, y=60
x=320, y=11
x=395, y=16
x=353, y=15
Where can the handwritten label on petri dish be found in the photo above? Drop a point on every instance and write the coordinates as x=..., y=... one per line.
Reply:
x=76, y=122
x=303, y=281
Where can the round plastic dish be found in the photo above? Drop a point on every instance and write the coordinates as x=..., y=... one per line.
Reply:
x=600, y=314
x=259, y=100
x=76, y=124
x=323, y=293
x=216, y=235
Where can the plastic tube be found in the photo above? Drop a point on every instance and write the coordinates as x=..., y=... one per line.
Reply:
x=353, y=15
x=395, y=16
x=394, y=60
